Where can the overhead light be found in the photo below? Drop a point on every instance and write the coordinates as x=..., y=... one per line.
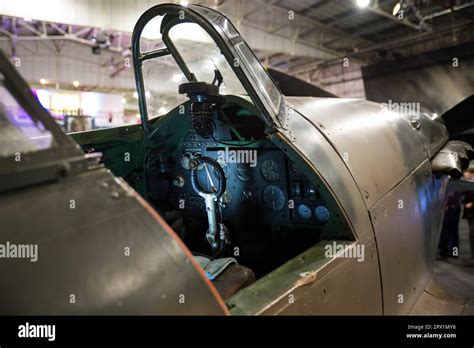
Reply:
x=184, y=3
x=76, y=83
x=135, y=95
x=396, y=8
x=123, y=101
x=402, y=5
x=363, y=3
x=43, y=81
x=162, y=110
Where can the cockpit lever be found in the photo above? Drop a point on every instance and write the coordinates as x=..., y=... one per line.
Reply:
x=217, y=234
x=217, y=78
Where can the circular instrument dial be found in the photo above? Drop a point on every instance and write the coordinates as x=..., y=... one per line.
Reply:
x=270, y=170
x=273, y=197
x=322, y=213
x=304, y=211
x=243, y=171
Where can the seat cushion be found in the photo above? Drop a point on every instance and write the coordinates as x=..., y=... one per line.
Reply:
x=232, y=279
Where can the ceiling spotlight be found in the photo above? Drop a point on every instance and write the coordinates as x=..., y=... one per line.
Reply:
x=402, y=5
x=135, y=95
x=162, y=110
x=363, y=3
x=396, y=8
x=123, y=101
x=43, y=81
x=184, y=3
x=76, y=83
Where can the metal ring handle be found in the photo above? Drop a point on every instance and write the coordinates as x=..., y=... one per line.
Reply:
x=220, y=173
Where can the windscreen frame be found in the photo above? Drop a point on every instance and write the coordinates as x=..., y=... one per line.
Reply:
x=192, y=14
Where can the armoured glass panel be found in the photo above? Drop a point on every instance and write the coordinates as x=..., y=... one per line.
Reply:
x=254, y=70
x=202, y=56
x=265, y=84
x=161, y=77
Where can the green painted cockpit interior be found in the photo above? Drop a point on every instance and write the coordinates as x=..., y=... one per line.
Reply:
x=122, y=150
x=125, y=149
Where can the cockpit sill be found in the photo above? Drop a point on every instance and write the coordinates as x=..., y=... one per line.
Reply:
x=44, y=166
x=24, y=168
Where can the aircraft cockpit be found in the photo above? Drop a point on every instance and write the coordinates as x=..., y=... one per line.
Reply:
x=211, y=169
x=208, y=155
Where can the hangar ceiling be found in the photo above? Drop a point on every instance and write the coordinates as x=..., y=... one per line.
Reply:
x=310, y=39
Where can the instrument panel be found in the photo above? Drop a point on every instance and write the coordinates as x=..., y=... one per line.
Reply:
x=309, y=207
x=262, y=184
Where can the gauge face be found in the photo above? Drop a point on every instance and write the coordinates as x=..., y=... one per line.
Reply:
x=270, y=170
x=304, y=211
x=273, y=197
x=243, y=171
x=322, y=213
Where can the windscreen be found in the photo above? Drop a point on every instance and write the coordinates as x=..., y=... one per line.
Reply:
x=162, y=75
x=203, y=57
x=194, y=43
x=253, y=69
